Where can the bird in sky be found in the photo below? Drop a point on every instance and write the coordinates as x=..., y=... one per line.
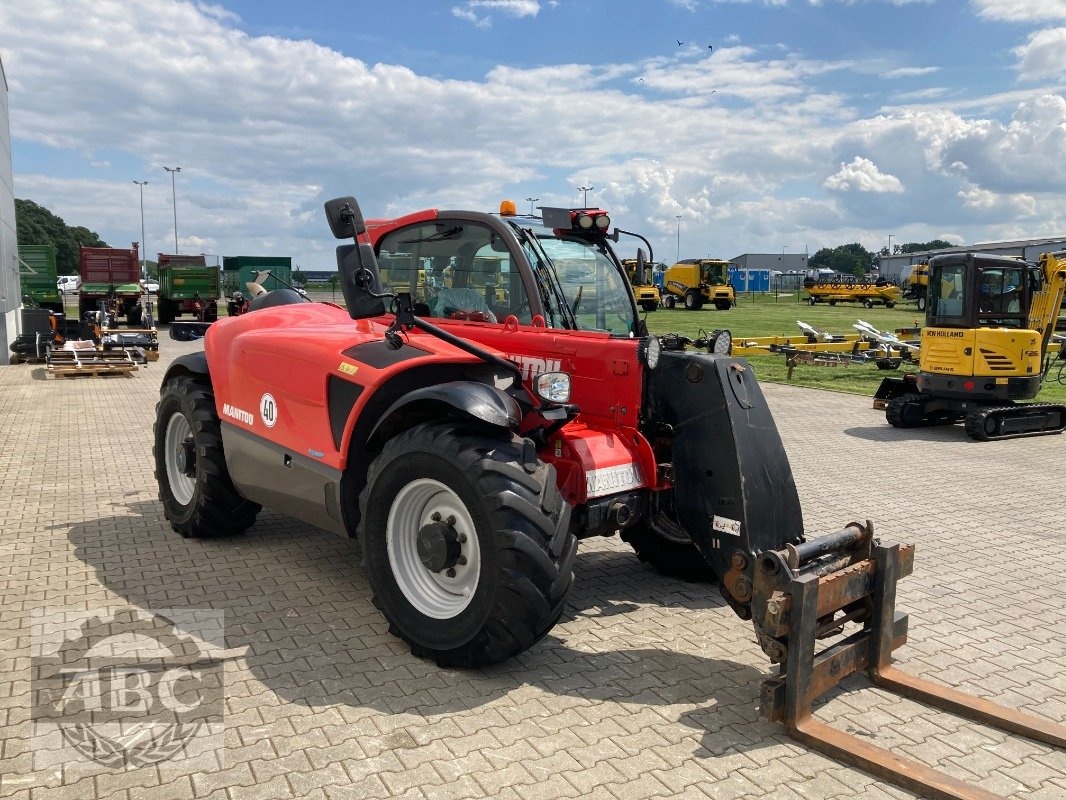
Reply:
x=679, y=42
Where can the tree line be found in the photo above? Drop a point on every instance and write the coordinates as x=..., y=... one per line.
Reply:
x=37, y=225
x=854, y=259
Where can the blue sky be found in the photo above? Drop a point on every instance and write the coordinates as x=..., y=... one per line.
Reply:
x=778, y=124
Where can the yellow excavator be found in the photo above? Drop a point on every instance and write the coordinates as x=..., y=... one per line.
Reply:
x=989, y=324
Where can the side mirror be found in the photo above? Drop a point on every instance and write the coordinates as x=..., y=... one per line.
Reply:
x=642, y=261
x=360, y=283
x=345, y=218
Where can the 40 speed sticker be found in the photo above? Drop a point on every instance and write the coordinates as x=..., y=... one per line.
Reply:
x=268, y=410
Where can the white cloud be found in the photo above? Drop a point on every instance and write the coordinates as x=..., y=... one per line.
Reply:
x=910, y=72
x=266, y=128
x=1042, y=55
x=862, y=175
x=514, y=8
x=1021, y=10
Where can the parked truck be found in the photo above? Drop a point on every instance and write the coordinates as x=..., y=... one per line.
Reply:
x=38, y=277
x=239, y=271
x=187, y=285
x=695, y=281
x=110, y=281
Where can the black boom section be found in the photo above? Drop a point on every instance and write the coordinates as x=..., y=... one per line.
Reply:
x=734, y=489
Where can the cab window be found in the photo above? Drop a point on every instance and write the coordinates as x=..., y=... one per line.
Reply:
x=593, y=287
x=453, y=270
x=947, y=291
x=1002, y=297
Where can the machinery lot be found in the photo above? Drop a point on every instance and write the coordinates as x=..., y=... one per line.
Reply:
x=647, y=687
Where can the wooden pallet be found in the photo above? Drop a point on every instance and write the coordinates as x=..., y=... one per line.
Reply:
x=93, y=371
x=94, y=363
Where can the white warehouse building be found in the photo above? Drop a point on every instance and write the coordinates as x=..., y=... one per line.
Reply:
x=10, y=292
x=898, y=267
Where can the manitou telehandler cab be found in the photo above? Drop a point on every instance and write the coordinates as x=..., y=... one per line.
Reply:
x=492, y=402
x=984, y=348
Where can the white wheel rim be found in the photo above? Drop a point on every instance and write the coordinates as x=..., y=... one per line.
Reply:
x=435, y=594
x=181, y=485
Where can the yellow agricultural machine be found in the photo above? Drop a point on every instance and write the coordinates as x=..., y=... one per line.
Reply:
x=695, y=281
x=835, y=289
x=640, y=277
x=985, y=347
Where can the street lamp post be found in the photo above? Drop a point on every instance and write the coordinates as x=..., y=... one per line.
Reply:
x=777, y=283
x=532, y=200
x=174, y=194
x=678, y=218
x=585, y=196
x=144, y=249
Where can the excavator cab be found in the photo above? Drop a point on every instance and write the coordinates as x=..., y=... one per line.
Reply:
x=986, y=292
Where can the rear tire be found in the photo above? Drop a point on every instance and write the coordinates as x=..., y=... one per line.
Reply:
x=867, y=303
x=670, y=302
x=920, y=303
x=167, y=311
x=664, y=545
x=693, y=301
x=198, y=497
x=649, y=306
x=811, y=301
x=501, y=563
x=722, y=305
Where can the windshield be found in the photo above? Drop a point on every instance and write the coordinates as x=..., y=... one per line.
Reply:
x=594, y=290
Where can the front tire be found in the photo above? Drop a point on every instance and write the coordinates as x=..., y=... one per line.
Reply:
x=693, y=301
x=722, y=305
x=198, y=497
x=466, y=544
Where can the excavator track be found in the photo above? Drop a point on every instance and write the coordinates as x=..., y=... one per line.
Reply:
x=811, y=591
x=991, y=423
x=910, y=411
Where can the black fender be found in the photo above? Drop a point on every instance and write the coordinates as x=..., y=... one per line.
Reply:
x=188, y=364
x=476, y=401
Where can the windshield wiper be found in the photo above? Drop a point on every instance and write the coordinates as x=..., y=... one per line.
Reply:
x=440, y=236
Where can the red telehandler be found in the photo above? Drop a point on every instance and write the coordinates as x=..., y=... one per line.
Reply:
x=488, y=396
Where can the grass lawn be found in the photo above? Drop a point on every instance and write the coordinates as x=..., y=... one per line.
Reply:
x=767, y=315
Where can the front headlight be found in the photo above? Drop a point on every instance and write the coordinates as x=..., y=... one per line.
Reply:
x=554, y=387
x=721, y=343
x=650, y=351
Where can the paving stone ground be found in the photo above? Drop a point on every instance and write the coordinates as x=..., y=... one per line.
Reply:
x=647, y=688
